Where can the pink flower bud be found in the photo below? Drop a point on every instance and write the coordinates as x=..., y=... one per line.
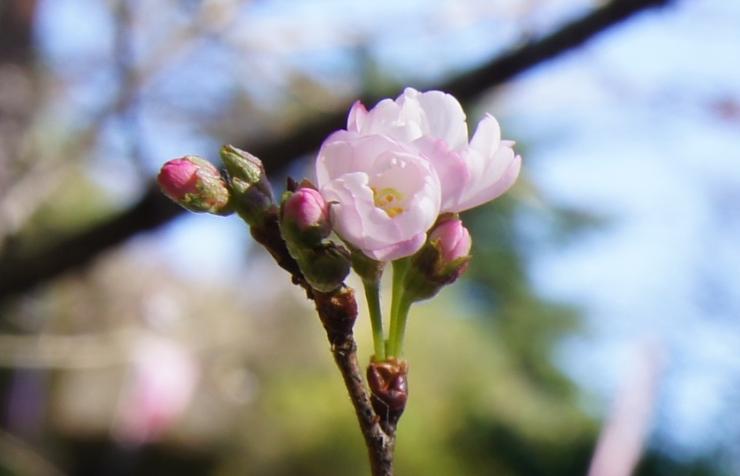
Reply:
x=304, y=223
x=178, y=177
x=194, y=183
x=442, y=260
x=453, y=240
x=307, y=209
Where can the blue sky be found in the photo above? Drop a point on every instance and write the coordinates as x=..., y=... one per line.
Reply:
x=627, y=128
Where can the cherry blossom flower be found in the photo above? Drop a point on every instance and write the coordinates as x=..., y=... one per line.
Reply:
x=434, y=124
x=384, y=195
x=399, y=165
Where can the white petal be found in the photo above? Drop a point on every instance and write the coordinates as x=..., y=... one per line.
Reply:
x=445, y=118
x=334, y=157
x=398, y=250
x=382, y=119
x=357, y=116
x=351, y=200
x=487, y=137
x=419, y=186
x=450, y=166
x=346, y=152
x=497, y=179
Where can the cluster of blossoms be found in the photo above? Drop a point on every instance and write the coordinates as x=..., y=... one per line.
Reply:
x=390, y=186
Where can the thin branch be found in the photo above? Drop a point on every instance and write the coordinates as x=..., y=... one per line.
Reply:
x=337, y=311
x=16, y=30
x=19, y=274
x=380, y=441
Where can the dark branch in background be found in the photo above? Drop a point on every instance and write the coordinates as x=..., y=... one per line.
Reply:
x=16, y=30
x=21, y=273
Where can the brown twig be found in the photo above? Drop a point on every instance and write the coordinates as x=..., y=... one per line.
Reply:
x=337, y=311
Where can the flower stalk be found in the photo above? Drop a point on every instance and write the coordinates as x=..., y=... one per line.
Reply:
x=372, y=295
x=399, y=308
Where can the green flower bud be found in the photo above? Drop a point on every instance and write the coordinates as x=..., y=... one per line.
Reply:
x=325, y=266
x=250, y=188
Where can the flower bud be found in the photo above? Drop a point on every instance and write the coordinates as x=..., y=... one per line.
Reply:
x=452, y=240
x=304, y=223
x=306, y=214
x=442, y=259
x=324, y=266
x=249, y=185
x=389, y=387
x=195, y=184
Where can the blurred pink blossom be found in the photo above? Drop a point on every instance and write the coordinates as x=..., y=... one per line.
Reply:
x=159, y=388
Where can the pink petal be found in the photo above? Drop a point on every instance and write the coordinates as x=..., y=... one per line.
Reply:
x=398, y=250
x=492, y=186
x=346, y=152
x=347, y=197
x=451, y=168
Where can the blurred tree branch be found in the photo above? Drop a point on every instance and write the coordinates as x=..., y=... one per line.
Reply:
x=21, y=273
x=16, y=30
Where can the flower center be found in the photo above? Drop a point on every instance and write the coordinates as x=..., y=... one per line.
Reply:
x=389, y=200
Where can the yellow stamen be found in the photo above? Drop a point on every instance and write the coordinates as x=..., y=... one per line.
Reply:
x=388, y=199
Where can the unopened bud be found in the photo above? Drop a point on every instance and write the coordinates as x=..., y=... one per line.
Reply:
x=324, y=266
x=388, y=383
x=304, y=223
x=195, y=184
x=305, y=215
x=452, y=240
x=442, y=260
x=249, y=185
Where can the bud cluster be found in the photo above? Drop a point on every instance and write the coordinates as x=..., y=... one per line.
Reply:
x=305, y=224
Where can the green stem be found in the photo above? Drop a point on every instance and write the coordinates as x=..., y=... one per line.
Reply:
x=403, y=314
x=397, y=304
x=372, y=294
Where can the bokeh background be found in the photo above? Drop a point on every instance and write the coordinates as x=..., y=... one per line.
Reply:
x=596, y=332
